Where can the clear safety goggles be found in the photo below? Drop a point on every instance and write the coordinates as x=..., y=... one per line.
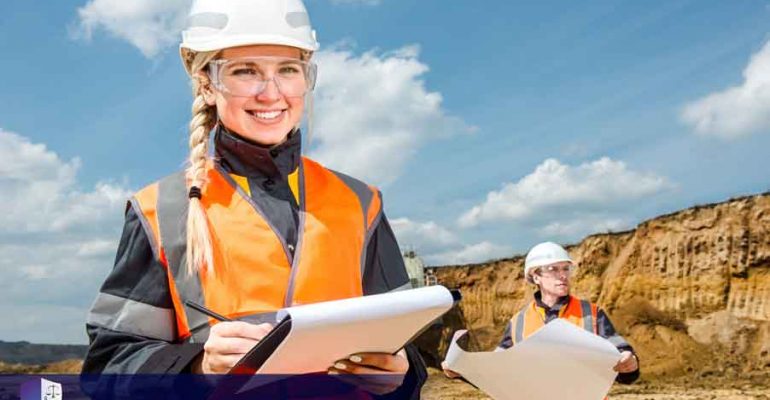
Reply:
x=557, y=270
x=249, y=76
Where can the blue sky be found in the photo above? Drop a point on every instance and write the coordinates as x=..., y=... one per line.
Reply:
x=489, y=126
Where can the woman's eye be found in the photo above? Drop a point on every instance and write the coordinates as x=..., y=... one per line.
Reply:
x=244, y=72
x=289, y=70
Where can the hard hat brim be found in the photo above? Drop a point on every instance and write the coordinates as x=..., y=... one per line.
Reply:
x=246, y=40
x=242, y=40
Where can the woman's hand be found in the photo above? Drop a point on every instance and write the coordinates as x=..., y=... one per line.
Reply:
x=377, y=373
x=228, y=342
x=627, y=363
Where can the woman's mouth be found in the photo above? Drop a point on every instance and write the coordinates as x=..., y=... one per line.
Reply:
x=267, y=116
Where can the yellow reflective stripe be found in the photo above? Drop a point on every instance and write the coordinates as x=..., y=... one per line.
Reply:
x=294, y=184
x=242, y=182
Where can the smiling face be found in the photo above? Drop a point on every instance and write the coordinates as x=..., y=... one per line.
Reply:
x=553, y=280
x=267, y=117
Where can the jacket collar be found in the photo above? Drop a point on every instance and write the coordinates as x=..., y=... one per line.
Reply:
x=560, y=303
x=241, y=156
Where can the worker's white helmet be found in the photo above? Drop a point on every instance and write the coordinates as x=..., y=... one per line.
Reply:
x=543, y=254
x=219, y=24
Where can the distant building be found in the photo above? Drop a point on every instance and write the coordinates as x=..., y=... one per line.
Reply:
x=415, y=268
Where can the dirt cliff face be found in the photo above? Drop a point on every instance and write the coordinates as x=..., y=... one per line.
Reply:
x=689, y=290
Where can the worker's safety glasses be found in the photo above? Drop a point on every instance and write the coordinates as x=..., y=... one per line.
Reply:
x=557, y=270
x=250, y=76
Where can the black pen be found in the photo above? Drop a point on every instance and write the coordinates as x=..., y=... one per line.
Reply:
x=199, y=308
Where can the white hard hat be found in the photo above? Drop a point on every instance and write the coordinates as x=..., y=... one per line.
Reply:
x=219, y=24
x=543, y=254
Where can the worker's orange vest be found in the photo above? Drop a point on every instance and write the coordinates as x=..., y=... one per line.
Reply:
x=255, y=271
x=531, y=318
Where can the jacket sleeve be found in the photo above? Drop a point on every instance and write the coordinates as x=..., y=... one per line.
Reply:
x=607, y=330
x=384, y=272
x=131, y=325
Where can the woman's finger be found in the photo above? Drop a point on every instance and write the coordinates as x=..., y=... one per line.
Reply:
x=220, y=364
x=377, y=362
x=241, y=329
x=230, y=345
x=356, y=369
x=228, y=342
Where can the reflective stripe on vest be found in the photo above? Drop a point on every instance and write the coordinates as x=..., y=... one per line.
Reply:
x=255, y=273
x=579, y=312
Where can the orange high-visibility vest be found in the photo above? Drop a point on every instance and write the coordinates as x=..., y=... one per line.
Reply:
x=531, y=318
x=255, y=271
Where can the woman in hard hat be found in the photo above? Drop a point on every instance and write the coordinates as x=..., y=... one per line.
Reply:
x=250, y=226
x=550, y=267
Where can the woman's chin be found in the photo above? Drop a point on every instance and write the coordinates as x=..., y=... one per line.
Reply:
x=269, y=137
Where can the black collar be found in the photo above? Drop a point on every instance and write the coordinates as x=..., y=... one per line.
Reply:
x=241, y=156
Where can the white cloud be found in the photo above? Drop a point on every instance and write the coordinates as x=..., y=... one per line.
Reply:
x=40, y=192
x=96, y=248
x=57, y=241
x=474, y=253
x=739, y=110
x=567, y=200
x=149, y=25
x=591, y=223
x=373, y=112
x=423, y=237
x=437, y=245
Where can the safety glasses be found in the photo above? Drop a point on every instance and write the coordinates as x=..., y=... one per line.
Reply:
x=250, y=76
x=557, y=270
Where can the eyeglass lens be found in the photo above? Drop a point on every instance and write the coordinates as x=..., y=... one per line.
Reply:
x=557, y=270
x=251, y=77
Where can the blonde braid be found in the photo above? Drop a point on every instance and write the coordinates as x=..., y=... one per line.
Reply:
x=199, y=248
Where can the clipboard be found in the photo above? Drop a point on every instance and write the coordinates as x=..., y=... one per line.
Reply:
x=253, y=361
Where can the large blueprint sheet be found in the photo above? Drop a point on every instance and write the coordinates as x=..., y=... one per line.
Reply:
x=559, y=361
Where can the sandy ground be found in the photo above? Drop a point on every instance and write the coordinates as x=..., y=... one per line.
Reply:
x=440, y=388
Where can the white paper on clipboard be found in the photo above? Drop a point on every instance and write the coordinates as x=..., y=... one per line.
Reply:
x=323, y=333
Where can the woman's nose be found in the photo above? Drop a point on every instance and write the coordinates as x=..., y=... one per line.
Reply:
x=270, y=93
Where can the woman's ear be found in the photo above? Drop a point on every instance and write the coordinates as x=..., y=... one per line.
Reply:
x=206, y=89
x=208, y=94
